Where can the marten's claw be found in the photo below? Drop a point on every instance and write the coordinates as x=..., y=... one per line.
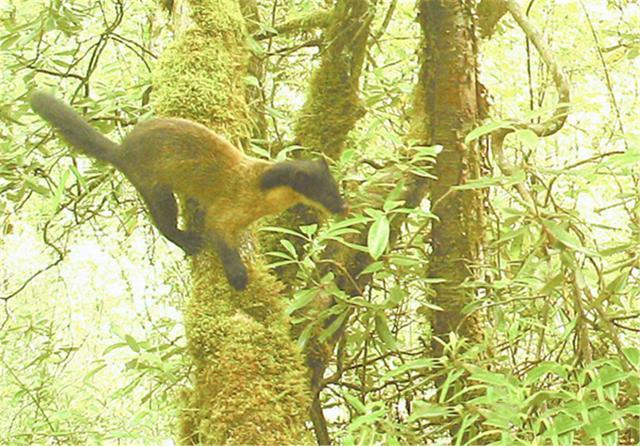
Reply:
x=238, y=277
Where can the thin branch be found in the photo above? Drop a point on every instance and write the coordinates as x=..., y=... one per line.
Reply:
x=547, y=128
x=559, y=116
x=304, y=23
x=41, y=270
x=605, y=69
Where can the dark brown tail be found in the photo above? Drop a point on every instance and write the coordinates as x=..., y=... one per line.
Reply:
x=75, y=130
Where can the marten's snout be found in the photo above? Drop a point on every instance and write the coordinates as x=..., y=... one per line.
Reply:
x=340, y=207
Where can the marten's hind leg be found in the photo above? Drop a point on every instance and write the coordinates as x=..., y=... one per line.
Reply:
x=234, y=269
x=163, y=208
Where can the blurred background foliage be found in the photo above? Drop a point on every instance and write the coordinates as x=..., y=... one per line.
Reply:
x=90, y=330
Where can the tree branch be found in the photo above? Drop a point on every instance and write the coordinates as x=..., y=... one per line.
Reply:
x=307, y=22
x=559, y=116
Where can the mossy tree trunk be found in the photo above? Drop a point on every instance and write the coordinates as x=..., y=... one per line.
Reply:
x=450, y=110
x=249, y=382
x=330, y=112
x=333, y=105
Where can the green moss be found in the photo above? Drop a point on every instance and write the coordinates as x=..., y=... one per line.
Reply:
x=194, y=79
x=331, y=110
x=219, y=18
x=250, y=387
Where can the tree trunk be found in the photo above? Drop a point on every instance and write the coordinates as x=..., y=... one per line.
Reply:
x=249, y=381
x=451, y=110
x=330, y=112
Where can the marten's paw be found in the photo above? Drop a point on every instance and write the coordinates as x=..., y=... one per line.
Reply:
x=238, y=276
x=191, y=243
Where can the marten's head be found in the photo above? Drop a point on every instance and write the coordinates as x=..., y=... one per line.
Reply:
x=311, y=179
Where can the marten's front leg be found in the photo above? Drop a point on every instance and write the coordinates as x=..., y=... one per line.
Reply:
x=164, y=212
x=234, y=269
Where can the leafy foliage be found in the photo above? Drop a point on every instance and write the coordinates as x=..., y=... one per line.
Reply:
x=92, y=333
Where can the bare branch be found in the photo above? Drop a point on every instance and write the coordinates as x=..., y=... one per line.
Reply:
x=556, y=122
x=559, y=116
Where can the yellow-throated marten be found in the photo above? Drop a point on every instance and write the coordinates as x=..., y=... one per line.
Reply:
x=165, y=156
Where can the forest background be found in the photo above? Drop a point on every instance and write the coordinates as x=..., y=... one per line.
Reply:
x=483, y=290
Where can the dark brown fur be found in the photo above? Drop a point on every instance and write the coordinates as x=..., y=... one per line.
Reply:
x=163, y=157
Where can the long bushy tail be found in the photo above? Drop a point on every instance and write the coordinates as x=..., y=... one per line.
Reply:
x=75, y=130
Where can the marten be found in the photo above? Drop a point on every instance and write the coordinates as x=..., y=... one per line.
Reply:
x=162, y=157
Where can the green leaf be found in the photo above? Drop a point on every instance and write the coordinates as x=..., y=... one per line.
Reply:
x=391, y=440
x=382, y=329
x=493, y=378
x=372, y=268
x=275, y=113
x=401, y=260
x=32, y=184
x=113, y=347
x=538, y=398
x=618, y=283
x=486, y=129
x=564, y=424
x=309, y=229
x=610, y=375
x=629, y=158
x=484, y=182
x=354, y=402
x=133, y=344
x=289, y=247
x=93, y=372
x=57, y=195
x=301, y=299
x=428, y=411
x=305, y=335
x=418, y=364
x=544, y=368
x=333, y=327
x=633, y=410
x=367, y=420
x=378, y=237
x=600, y=423
x=566, y=238
x=632, y=354
x=78, y=175
x=390, y=205
x=467, y=421
x=527, y=136
x=396, y=296
x=471, y=306
x=552, y=284
x=281, y=230
x=252, y=81
x=9, y=40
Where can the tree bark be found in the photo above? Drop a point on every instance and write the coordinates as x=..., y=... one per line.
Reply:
x=451, y=109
